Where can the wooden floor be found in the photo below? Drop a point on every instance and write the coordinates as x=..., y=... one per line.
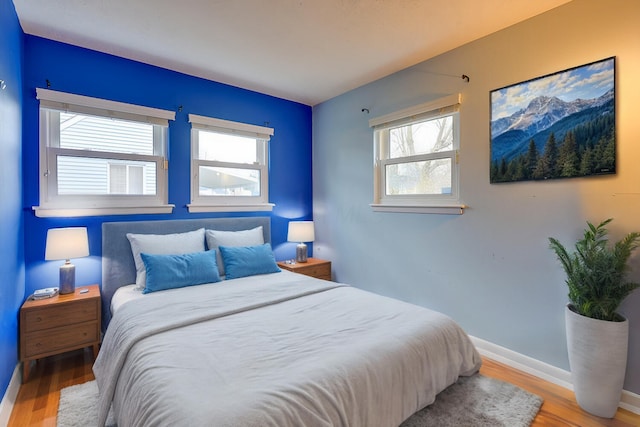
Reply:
x=559, y=407
x=37, y=401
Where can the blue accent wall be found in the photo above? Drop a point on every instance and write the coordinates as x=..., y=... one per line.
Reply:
x=11, y=242
x=85, y=72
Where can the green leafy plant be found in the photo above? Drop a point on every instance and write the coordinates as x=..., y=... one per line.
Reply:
x=596, y=271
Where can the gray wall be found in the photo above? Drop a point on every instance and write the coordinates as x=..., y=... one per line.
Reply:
x=490, y=269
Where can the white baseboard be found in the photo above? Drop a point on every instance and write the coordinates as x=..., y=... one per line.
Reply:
x=6, y=406
x=629, y=401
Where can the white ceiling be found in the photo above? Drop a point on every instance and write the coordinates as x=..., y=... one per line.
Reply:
x=303, y=50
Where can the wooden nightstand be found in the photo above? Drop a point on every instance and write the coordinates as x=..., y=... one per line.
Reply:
x=56, y=325
x=314, y=267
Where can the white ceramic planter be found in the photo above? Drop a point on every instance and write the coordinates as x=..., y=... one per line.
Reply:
x=598, y=361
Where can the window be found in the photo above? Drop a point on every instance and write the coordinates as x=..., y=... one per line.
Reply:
x=100, y=157
x=229, y=166
x=416, y=159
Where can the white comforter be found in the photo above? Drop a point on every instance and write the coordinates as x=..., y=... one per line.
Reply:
x=276, y=350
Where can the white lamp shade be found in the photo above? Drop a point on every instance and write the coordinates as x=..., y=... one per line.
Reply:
x=301, y=231
x=66, y=243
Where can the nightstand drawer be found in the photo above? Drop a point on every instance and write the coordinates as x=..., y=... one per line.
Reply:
x=52, y=317
x=321, y=271
x=53, y=340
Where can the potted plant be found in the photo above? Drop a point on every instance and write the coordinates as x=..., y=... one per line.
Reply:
x=597, y=335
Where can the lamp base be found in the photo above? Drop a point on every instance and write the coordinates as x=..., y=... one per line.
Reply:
x=67, y=278
x=301, y=253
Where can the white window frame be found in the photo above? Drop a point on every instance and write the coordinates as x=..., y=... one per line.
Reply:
x=53, y=204
x=427, y=203
x=200, y=203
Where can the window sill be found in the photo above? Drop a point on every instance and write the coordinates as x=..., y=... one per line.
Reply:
x=441, y=209
x=197, y=208
x=43, y=212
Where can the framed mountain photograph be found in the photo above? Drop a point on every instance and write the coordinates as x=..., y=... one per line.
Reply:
x=557, y=126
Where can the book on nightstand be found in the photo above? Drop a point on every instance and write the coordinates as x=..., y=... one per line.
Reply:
x=45, y=293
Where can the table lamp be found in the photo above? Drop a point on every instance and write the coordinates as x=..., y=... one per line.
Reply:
x=301, y=231
x=67, y=243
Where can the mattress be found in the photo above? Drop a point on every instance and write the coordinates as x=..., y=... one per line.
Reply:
x=123, y=295
x=276, y=350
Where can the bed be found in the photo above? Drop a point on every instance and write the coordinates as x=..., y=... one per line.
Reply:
x=259, y=348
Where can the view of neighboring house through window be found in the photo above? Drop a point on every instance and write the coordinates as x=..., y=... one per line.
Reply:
x=219, y=148
x=82, y=174
x=98, y=154
x=128, y=178
x=229, y=165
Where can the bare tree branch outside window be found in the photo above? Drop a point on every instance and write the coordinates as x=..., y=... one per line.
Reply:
x=428, y=176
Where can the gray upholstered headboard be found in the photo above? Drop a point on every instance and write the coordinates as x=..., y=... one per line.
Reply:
x=118, y=267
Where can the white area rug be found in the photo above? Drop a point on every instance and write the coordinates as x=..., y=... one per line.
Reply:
x=79, y=406
x=475, y=401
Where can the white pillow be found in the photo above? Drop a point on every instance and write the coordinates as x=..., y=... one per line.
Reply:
x=215, y=238
x=163, y=244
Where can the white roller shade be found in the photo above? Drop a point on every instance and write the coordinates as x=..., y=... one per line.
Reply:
x=61, y=101
x=229, y=127
x=429, y=110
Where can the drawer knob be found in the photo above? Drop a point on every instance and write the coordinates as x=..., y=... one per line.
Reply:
x=38, y=319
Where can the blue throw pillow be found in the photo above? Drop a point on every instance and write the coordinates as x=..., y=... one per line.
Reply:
x=242, y=261
x=178, y=271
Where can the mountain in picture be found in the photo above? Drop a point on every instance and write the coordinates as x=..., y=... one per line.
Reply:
x=553, y=138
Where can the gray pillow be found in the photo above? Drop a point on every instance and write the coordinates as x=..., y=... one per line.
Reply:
x=215, y=238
